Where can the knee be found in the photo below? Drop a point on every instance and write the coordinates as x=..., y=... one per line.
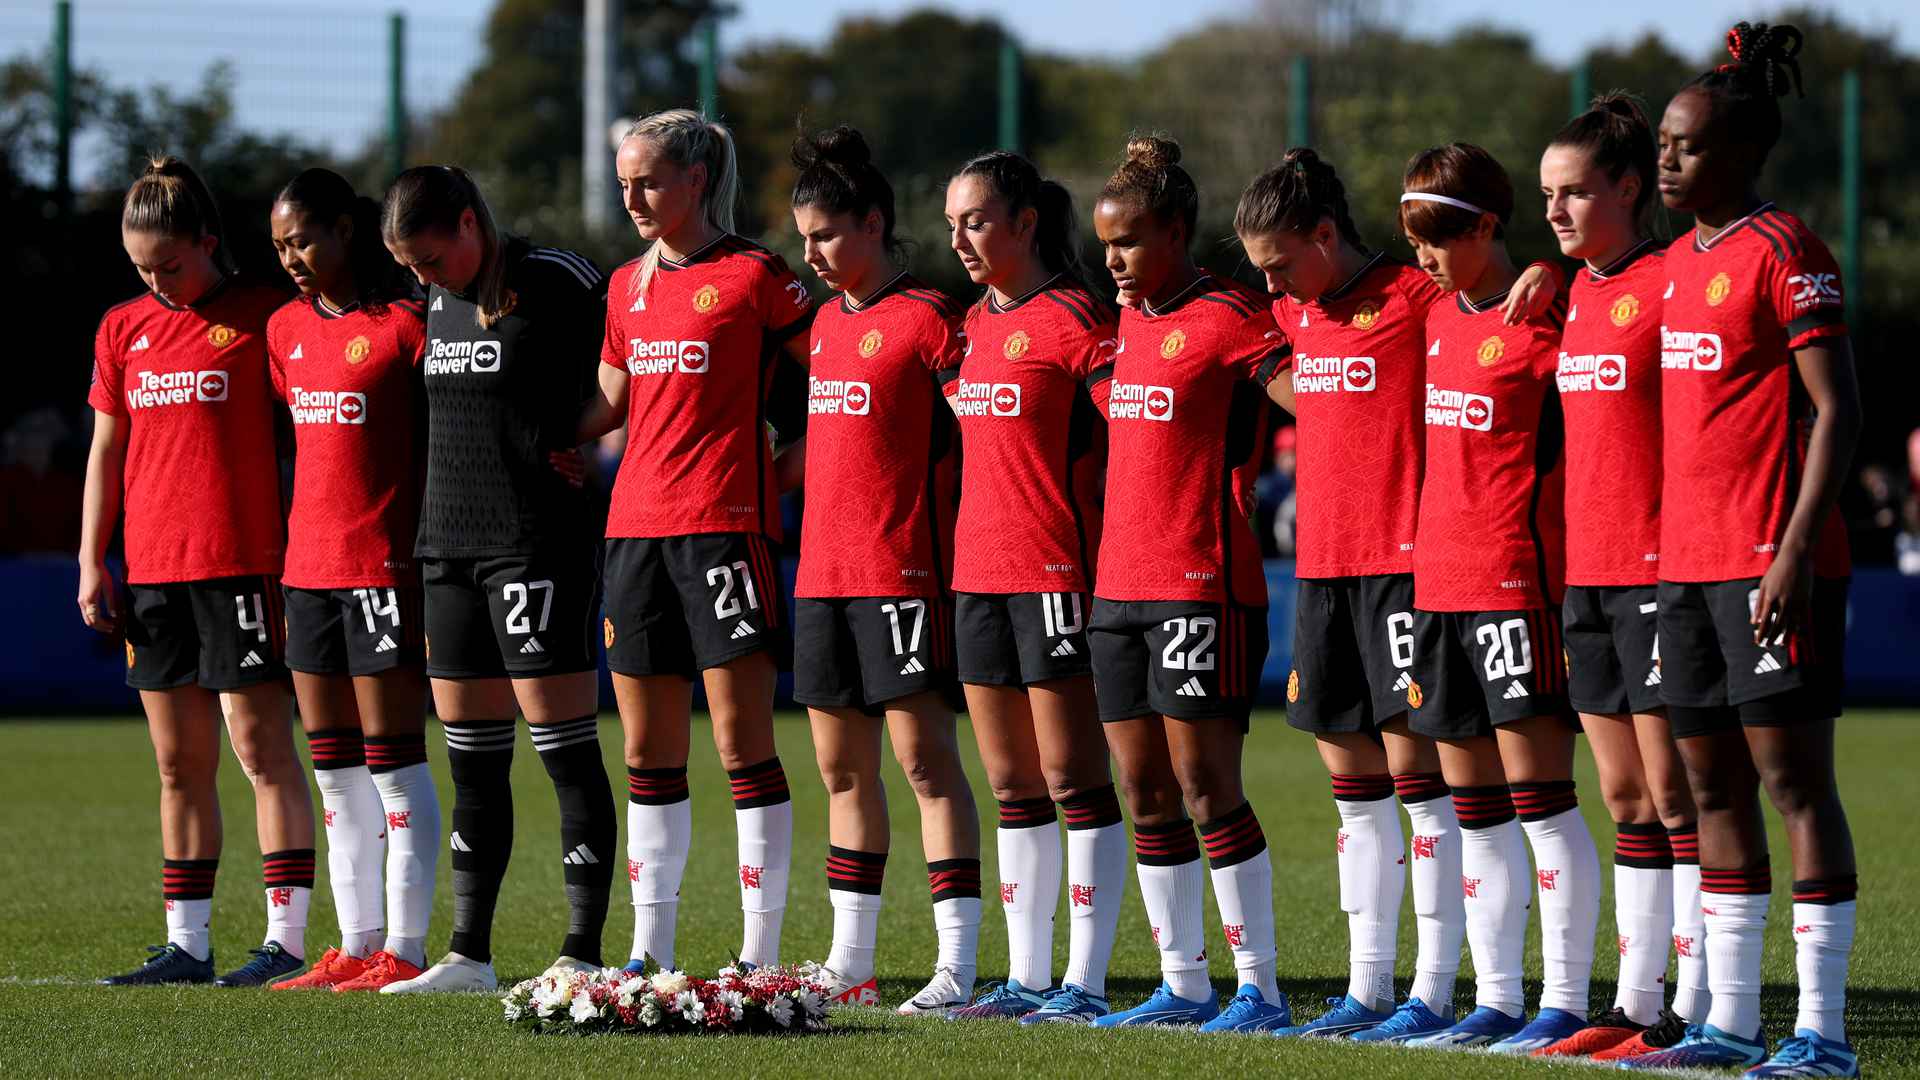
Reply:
x=1712, y=793
x=184, y=773
x=264, y=753
x=1063, y=785
x=1204, y=782
x=1673, y=805
x=930, y=778
x=1626, y=800
x=1792, y=794
x=841, y=780
x=1149, y=797
x=1013, y=785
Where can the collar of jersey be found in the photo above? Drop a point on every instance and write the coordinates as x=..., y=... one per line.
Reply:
x=328, y=311
x=1616, y=266
x=206, y=298
x=1702, y=244
x=847, y=305
x=1347, y=286
x=1193, y=289
x=995, y=306
x=1468, y=307
x=693, y=256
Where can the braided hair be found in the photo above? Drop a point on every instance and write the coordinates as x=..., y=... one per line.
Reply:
x=1745, y=92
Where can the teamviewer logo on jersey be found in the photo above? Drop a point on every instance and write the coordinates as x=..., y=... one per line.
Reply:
x=666, y=357
x=1006, y=399
x=1604, y=372
x=844, y=397
x=1358, y=373
x=1685, y=350
x=326, y=406
x=1327, y=374
x=1139, y=401
x=211, y=386
x=1455, y=408
x=486, y=356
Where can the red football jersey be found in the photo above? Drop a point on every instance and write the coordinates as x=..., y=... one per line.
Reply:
x=351, y=379
x=1609, y=382
x=1184, y=412
x=1359, y=364
x=1491, y=532
x=699, y=348
x=1736, y=416
x=202, y=481
x=880, y=479
x=1029, y=370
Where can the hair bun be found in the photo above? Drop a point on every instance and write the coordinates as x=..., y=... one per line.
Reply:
x=1153, y=151
x=842, y=146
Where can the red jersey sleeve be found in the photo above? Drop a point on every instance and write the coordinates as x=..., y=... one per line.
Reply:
x=1097, y=363
x=946, y=343
x=1421, y=293
x=781, y=297
x=1260, y=349
x=276, y=361
x=1803, y=289
x=104, y=395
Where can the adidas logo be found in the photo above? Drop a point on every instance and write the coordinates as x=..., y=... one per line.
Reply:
x=437, y=302
x=1191, y=688
x=1669, y=294
x=817, y=346
x=1405, y=680
x=532, y=647
x=1573, y=312
x=914, y=666
x=639, y=303
x=1434, y=350
x=1767, y=665
x=296, y=353
x=1303, y=320
x=1653, y=678
x=458, y=844
x=252, y=659
x=580, y=856
x=385, y=645
x=1065, y=648
x=740, y=631
x=140, y=344
x=1515, y=691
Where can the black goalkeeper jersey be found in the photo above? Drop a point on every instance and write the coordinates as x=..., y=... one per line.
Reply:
x=499, y=399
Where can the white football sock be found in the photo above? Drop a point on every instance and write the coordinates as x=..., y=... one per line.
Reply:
x=1373, y=880
x=1096, y=885
x=412, y=807
x=1029, y=894
x=1643, y=915
x=355, y=821
x=1822, y=946
x=1244, y=892
x=766, y=856
x=1691, y=996
x=1439, y=912
x=1495, y=882
x=956, y=923
x=856, y=927
x=287, y=917
x=1567, y=869
x=187, y=926
x=1736, y=937
x=658, y=836
x=1174, y=897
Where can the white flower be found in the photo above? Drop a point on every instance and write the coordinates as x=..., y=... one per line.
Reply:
x=670, y=982
x=514, y=1011
x=736, y=1003
x=781, y=1010
x=650, y=1013
x=687, y=1004
x=809, y=1001
x=726, y=972
x=583, y=1009
x=630, y=992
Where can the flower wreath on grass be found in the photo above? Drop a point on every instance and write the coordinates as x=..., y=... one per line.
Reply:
x=769, y=1000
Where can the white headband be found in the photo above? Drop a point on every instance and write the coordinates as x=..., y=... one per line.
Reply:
x=1422, y=196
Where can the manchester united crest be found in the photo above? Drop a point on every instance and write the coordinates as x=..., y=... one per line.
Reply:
x=1624, y=310
x=1368, y=314
x=704, y=300
x=1490, y=351
x=358, y=348
x=1171, y=345
x=870, y=343
x=606, y=625
x=1293, y=686
x=1017, y=345
x=220, y=336
x=1718, y=288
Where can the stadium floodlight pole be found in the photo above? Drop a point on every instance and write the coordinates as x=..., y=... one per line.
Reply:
x=63, y=104
x=1579, y=88
x=1850, y=181
x=596, y=195
x=1300, y=103
x=396, y=93
x=1009, y=94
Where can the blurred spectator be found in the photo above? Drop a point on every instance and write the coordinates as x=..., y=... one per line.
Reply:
x=39, y=485
x=1274, y=490
x=1913, y=460
x=1907, y=544
x=1874, y=517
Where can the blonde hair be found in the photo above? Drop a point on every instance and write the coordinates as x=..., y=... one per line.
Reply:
x=169, y=198
x=434, y=197
x=688, y=138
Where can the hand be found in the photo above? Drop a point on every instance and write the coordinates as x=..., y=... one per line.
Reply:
x=1532, y=294
x=96, y=599
x=570, y=464
x=1785, y=597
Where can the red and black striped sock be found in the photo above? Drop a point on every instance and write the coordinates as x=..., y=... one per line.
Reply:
x=1233, y=837
x=337, y=748
x=656, y=787
x=1541, y=799
x=1754, y=881
x=391, y=753
x=1419, y=787
x=1641, y=846
x=1096, y=809
x=292, y=868
x=1171, y=844
x=954, y=879
x=192, y=879
x=1027, y=813
x=1685, y=842
x=1362, y=787
x=1483, y=807
x=1831, y=890
x=856, y=871
x=764, y=784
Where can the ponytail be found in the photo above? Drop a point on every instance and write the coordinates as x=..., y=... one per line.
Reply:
x=433, y=197
x=169, y=198
x=1018, y=182
x=1616, y=138
x=837, y=175
x=1294, y=196
x=1151, y=177
x=688, y=138
x=1765, y=67
x=325, y=196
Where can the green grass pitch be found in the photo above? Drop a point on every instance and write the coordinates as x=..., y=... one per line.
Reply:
x=80, y=855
